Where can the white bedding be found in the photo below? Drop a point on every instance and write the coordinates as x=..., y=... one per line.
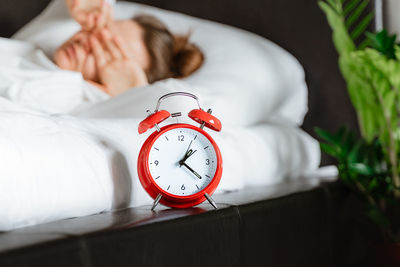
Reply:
x=68, y=150
x=59, y=166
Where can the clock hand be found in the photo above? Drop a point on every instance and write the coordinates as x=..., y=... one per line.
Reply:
x=187, y=155
x=190, y=169
x=190, y=154
x=187, y=150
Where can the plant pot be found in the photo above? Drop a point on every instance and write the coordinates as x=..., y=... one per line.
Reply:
x=385, y=255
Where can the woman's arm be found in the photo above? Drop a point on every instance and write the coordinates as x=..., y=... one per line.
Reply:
x=90, y=14
x=54, y=21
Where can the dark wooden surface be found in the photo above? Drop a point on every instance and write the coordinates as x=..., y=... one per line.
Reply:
x=302, y=229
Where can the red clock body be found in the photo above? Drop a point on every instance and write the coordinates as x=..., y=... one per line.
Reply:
x=181, y=164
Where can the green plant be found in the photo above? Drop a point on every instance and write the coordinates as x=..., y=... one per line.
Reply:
x=371, y=70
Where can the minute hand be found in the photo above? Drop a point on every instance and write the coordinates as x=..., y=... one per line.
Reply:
x=190, y=169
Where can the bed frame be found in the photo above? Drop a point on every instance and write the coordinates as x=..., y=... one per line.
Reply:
x=312, y=228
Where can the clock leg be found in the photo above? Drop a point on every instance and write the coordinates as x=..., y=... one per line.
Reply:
x=212, y=202
x=155, y=203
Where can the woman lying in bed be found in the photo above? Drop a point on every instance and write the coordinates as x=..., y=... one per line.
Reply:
x=78, y=155
x=115, y=55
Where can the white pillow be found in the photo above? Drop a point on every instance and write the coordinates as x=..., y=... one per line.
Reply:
x=245, y=79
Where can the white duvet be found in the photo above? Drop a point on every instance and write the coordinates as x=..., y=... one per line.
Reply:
x=68, y=150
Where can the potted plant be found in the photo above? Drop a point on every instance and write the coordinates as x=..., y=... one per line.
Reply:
x=369, y=162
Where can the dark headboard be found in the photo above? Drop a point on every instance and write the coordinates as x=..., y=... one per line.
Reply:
x=298, y=26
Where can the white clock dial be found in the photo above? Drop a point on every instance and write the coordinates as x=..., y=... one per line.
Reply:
x=198, y=169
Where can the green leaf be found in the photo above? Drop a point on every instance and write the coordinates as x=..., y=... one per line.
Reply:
x=373, y=184
x=353, y=155
x=327, y=136
x=341, y=37
x=384, y=43
x=334, y=5
x=397, y=51
x=347, y=141
x=362, y=26
x=389, y=99
x=350, y=6
x=361, y=168
x=365, y=43
x=329, y=149
x=356, y=14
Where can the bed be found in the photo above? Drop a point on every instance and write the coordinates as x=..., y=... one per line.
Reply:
x=291, y=32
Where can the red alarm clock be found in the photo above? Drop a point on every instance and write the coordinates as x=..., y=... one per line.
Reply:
x=180, y=165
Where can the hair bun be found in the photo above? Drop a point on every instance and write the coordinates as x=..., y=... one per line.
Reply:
x=187, y=57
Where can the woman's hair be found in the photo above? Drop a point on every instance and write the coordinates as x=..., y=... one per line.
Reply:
x=170, y=55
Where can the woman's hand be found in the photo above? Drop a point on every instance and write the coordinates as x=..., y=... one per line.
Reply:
x=90, y=14
x=116, y=71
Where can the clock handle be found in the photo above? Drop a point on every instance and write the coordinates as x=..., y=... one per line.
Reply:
x=212, y=202
x=177, y=94
x=198, y=115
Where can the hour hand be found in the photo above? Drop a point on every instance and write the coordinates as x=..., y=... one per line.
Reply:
x=187, y=155
x=190, y=169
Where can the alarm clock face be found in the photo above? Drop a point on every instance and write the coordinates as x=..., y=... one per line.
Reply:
x=182, y=161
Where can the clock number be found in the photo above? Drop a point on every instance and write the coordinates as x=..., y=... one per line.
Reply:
x=207, y=162
x=181, y=137
x=183, y=187
x=156, y=162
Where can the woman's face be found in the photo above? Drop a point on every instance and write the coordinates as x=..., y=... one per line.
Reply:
x=76, y=53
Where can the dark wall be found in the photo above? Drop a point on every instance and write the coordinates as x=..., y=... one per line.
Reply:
x=16, y=13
